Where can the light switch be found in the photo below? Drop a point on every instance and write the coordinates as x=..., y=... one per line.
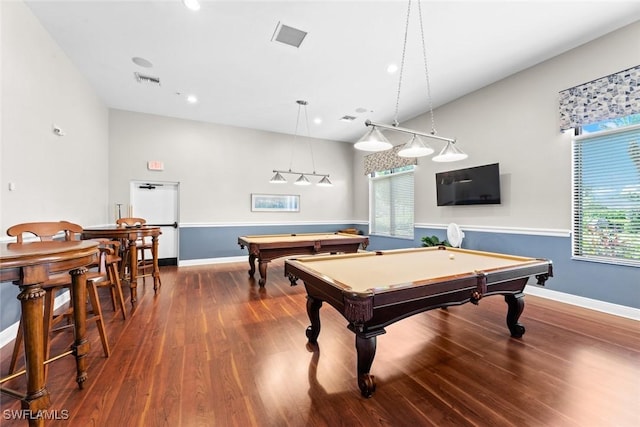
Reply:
x=12, y=186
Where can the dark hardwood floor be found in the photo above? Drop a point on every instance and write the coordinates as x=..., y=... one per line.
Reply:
x=214, y=349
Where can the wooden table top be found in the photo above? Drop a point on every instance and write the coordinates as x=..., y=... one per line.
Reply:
x=60, y=255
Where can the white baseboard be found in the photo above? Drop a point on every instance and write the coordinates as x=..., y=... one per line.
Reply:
x=592, y=304
x=224, y=260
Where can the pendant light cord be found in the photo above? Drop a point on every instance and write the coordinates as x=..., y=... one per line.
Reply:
x=426, y=71
x=404, y=50
x=295, y=136
x=306, y=119
x=426, y=67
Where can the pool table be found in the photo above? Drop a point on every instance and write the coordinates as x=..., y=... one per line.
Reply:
x=268, y=247
x=375, y=289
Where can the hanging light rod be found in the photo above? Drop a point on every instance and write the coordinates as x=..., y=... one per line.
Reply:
x=302, y=179
x=301, y=173
x=409, y=131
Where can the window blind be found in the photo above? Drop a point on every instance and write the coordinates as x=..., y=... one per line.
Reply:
x=606, y=198
x=392, y=205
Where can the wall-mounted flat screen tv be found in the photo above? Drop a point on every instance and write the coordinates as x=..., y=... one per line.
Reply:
x=478, y=185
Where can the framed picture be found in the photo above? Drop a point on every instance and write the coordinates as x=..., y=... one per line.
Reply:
x=275, y=203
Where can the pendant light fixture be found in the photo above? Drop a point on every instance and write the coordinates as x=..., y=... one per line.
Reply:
x=278, y=178
x=373, y=140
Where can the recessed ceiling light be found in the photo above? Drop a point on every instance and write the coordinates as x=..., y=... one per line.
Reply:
x=192, y=4
x=192, y=99
x=142, y=62
x=317, y=120
x=392, y=68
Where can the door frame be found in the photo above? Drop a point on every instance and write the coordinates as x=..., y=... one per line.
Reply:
x=135, y=183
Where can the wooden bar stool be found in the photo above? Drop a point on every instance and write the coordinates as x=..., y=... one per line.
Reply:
x=147, y=263
x=46, y=231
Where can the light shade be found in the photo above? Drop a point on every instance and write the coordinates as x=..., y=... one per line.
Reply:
x=324, y=182
x=416, y=147
x=303, y=180
x=278, y=179
x=450, y=153
x=373, y=140
x=192, y=4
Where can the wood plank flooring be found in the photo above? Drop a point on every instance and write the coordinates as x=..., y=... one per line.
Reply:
x=212, y=348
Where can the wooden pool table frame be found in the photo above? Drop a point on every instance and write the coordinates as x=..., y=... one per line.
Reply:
x=268, y=247
x=370, y=311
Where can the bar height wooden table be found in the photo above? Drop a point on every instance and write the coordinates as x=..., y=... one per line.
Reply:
x=28, y=265
x=130, y=235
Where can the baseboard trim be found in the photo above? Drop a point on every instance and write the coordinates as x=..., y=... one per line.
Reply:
x=205, y=261
x=592, y=304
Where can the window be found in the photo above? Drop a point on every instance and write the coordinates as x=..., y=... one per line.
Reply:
x=391, y=198
x=606, y=192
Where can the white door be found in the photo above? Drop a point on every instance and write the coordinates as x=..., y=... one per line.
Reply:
x=157, y=202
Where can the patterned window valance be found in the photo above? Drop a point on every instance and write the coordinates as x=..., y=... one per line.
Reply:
x=610, y=97
x=385, y=160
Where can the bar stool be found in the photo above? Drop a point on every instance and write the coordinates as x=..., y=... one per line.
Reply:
x=144, y=247
x=46, y=231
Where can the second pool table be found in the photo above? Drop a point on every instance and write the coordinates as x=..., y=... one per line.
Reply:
x=375, y=289
x=267, y=247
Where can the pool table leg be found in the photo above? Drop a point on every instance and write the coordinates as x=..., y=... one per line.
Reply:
x=515, y=302
x=313, y=311
x=262, y=268
x=366, y=350
x=252, y=265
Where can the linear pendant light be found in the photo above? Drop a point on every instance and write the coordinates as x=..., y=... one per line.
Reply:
x=373, y=140
x=278, y=178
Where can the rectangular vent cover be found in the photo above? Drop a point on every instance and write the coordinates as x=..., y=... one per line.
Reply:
x=289, y=35
x=141, y=78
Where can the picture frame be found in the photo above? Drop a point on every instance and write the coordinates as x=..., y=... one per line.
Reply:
x=275, y=202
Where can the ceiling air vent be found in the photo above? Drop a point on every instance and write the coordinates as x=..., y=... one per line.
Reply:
x=141, y=78
x=288, y=35
x=347, y=118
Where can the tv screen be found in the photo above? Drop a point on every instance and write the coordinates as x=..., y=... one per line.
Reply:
x=479, y=185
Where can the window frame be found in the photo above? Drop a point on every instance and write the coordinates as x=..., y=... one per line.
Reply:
x=577, y=198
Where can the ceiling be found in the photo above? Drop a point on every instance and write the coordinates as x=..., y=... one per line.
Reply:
x=226, y=55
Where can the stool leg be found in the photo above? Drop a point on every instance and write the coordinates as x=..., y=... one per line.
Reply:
x=92, y=292
x=49, y=303
x=156, y=269
x=116, y=286
x=16, y=348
